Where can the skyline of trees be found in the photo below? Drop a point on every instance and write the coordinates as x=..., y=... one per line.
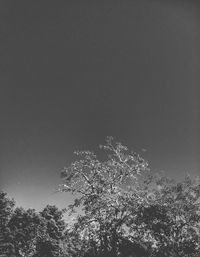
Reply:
x=121, y=208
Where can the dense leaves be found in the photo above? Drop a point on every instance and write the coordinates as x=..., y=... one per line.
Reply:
x=48, y=244
x=120, y=208
x=24, y=228
x=28, y=233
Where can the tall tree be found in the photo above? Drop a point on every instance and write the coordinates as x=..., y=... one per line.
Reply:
x=109, y=192
x=123, y=204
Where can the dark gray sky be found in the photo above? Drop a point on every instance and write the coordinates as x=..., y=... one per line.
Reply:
x=74, y=72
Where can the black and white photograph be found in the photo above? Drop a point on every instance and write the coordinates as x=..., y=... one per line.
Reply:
x=100, y=128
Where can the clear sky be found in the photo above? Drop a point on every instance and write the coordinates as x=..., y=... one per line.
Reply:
x=74, y=72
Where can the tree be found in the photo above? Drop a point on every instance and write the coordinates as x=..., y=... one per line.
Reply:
x=49, y=244
x=32, y=234
x=128, y=209
x=25, y=226
x=172, y=220
x=54, y=220
x=122, y=209
x=109, y=193
x=6, y=211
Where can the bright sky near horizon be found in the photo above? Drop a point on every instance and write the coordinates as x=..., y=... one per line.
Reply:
x=74, y=72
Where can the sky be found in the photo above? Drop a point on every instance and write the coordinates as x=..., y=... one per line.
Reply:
x=74, y=72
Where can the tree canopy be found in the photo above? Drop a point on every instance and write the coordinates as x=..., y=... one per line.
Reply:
x=122, y=201
x=121, y=208
x=28, y=233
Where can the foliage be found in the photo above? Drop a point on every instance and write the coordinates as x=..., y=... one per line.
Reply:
x=54, y=221
x=173, y=219
x=6, y=211
x=29, y=233
x=24, y=228
x=122, y=209
x=49, y=243
x=109, y=192
x=121, y=200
